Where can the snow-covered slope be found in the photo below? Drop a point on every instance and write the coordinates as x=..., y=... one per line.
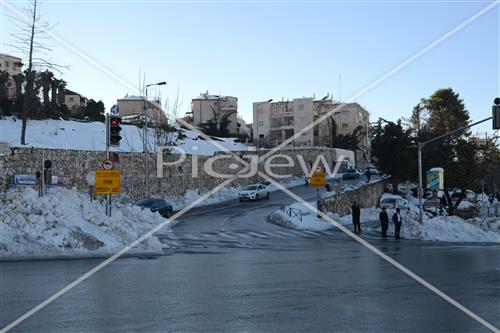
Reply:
x=65, y=134
x=66, y=224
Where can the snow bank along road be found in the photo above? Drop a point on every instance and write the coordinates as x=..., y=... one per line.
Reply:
x=234, y=271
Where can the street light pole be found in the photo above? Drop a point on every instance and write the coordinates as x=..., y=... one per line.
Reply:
x=422, y=145
x=145, y=136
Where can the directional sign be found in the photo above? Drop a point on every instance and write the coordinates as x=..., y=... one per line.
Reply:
x=107, y=182
x=318, y=180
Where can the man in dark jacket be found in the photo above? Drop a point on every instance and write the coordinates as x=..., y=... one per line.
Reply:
x=384, y=221
x=396, y=218
x=356, y=217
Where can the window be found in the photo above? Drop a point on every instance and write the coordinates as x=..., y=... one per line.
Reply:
x=6, y=64
x=261, y=123
x=70, y=99
x=301, y=107
x=344, y=125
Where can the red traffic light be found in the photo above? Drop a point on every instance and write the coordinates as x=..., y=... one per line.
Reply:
x=116, y=121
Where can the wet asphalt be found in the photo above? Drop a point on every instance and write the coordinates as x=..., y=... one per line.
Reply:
x=231, y=270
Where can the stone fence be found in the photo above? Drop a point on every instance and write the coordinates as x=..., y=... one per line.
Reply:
x=366, y=196
x=176, y=180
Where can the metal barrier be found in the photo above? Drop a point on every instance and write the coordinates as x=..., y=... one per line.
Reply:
x=292, y=212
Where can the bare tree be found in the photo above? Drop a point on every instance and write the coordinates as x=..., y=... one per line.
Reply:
x=28, y=39
x=165, y=131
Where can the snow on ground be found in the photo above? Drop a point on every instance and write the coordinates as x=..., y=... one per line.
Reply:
x=308, y=220
x=225, y=194
x=67, y=134
x=443, y=228
x=65, y=223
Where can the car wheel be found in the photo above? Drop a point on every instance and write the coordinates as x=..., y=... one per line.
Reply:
x=241, y=200
x=267, y=196
x=256, y=197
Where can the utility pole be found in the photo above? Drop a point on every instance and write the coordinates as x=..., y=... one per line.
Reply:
x=145, y=136
x=421, y=145
x=108, y=196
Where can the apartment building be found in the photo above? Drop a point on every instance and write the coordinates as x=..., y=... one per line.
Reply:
x=74, y=100
x=13, y=66
x=215, y=108
x=275, y=122
x=130, y=106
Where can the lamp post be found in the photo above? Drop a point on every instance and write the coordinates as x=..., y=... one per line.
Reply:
x=145, y=135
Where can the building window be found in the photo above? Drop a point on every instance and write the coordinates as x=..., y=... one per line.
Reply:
x=344, y=125
x=6, y=64
x=70, y=99
x=301, y=107
x=261, y=123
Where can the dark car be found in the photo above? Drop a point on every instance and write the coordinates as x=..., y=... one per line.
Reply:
x=351, y=174
x=156, y=205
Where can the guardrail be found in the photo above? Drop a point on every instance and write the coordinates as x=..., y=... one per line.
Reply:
x=292, y=212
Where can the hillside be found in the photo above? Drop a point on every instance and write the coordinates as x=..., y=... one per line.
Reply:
x=67, y=134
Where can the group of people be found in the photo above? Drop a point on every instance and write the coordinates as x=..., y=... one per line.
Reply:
x=383, y=218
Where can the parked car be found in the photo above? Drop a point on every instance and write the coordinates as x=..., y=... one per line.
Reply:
x=351, y=173
x=393, y=202
x=156, y=205
x=373, y=170
x=254, y=192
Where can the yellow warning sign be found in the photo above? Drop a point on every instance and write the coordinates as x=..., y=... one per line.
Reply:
x=107, y=181
x=318, y=180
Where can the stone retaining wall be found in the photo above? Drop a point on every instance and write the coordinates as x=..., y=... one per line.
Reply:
x=177, y=179
x=367, y=196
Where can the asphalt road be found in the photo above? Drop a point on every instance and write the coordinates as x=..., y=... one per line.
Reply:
x=233, y=271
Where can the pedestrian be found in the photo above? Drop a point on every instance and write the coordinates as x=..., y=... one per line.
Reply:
x=356, y=217
x=306, y=180
x=491, y=199
x=396, y=219
x=384, y=221
x=368, y=175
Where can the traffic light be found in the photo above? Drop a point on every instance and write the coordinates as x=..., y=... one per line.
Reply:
x=114, y=130
x=496, y=114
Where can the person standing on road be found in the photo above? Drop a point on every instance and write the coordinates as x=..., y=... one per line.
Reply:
x=368, y=175
x=396, y=218
x=356, y=217
x=384, y=221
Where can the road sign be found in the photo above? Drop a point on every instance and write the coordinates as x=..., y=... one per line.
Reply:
x=107, y=164
x=318, y=180
x=107, y=182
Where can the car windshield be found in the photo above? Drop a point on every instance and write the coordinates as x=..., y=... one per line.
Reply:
x=351, y=171
x=148, y=202
x=389, y=200
x=250, y=188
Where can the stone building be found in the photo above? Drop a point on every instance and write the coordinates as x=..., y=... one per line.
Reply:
x=12, y=65
x=74, y=100
x=136, y=106
x=275, y=122
x=206, y=108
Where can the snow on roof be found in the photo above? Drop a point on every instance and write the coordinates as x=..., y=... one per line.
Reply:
x=132, y=97
x=212, y=97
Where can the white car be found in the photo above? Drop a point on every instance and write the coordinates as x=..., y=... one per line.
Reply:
x=254, y=192
x=393, y=202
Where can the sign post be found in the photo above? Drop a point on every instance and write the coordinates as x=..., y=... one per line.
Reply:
x=107, y=182
x=317, y=181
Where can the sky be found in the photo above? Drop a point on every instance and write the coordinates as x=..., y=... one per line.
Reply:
x=257, y=50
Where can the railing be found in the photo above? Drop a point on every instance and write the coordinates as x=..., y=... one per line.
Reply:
x=292, y=212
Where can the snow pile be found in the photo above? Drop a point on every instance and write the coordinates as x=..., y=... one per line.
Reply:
x=448, y=229
x=442, y=228
x=68, y=134
x=298, y=216
x=65, y=223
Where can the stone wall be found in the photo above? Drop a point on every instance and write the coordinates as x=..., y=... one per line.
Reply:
x=367, y=196
x=177, y=179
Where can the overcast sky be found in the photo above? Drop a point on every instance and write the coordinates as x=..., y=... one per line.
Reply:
x=258, y=50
